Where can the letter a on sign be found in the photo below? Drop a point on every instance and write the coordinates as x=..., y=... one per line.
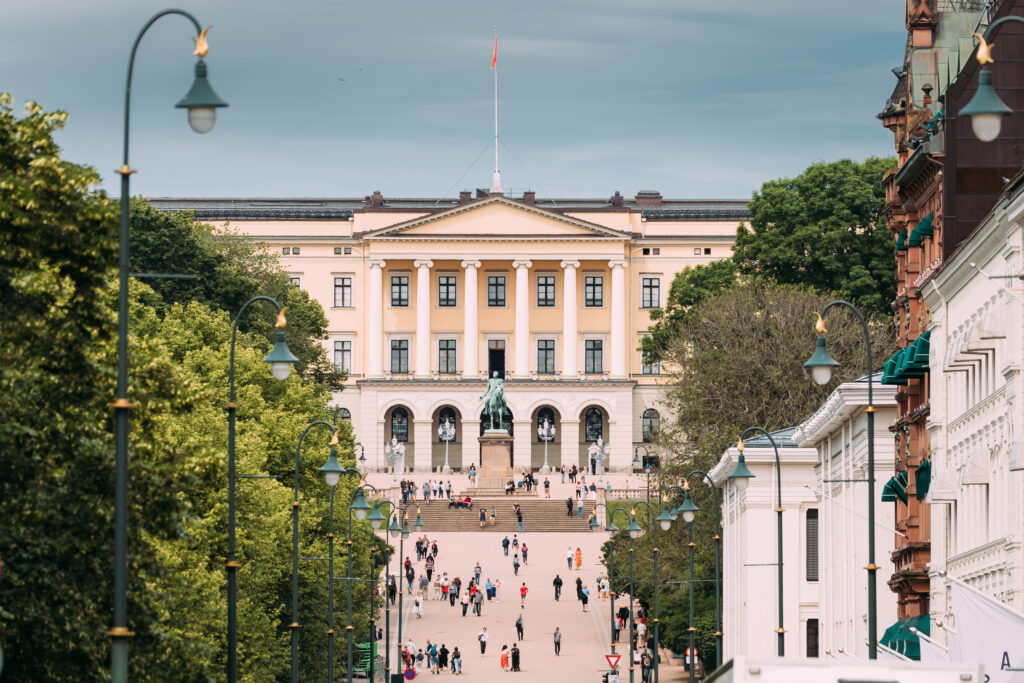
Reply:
x=613, y=660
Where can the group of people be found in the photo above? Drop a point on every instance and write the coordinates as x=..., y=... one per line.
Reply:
x=432, y=656
x=429, y=489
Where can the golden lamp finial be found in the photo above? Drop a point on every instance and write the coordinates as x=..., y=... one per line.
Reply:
x=686, y=484
x=740, y=445
x=281, y=321
x=202, y=48
x=984, y=49
x=334, y=439
x=819, y=326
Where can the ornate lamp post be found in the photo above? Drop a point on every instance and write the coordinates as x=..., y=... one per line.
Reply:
x=446, y=432
x=294, y=625
x=611, y=529
x=418, y=525
x=202, y=103
x=281, y=360
x=821, y=365
x=395, y=452
x=546, y=433
x=740, y=476
x=360, y=507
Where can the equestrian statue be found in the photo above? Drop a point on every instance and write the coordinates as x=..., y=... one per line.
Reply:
x=494, y=402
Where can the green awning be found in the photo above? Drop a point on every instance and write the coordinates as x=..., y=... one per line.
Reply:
x=911, y=361
x=920, y=230
x=889, y=370
x=901, y=639
x=923, y=479
x=895, y=488
x=901, y=240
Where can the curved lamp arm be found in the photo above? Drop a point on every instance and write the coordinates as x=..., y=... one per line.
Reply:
x=775, y=447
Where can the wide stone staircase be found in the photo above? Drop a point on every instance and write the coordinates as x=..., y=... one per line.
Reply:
x=539, y=515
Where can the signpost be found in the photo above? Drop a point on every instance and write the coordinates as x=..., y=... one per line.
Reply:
x=410, y=674
x=613, y=660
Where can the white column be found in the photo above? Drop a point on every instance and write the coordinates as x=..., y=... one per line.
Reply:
x=375, y=321
x=570, y=442
x=521, y=442
x=570, y=369
x=423, y=317
x=522, y=367
x=423, y=450
x=471, y=341
x=470, y=444
x=618, y=350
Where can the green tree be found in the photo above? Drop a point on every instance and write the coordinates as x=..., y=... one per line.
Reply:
x=825, y=229
x=231, y=268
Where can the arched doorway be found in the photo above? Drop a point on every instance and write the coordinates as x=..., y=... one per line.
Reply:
x=485, y=424
x=398, y=425
x=453, y=440
x=593, y=426
x=538, y=441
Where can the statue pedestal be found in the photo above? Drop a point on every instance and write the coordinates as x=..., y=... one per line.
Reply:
x=495, y=460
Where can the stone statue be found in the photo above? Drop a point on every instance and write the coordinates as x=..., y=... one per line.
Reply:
x=494, y=401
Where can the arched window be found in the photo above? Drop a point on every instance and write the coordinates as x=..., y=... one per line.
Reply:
x=593, y=420
x=447, y=413
x=345, y=414
x=651, y=424
x=400, y=424
x=542, y=415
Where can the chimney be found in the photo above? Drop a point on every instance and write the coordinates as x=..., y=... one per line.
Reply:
x=374, y=201
x=465, y=196
x=648, y=198
x=616, y=200
x=530, y=197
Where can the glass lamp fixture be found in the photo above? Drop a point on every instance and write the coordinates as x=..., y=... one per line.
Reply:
x=280, y=358
x=394, y=529
x=634, y=529
x=986, y=109
x=332, y=469
x=360, y=506
x=201, y=101
x=821, y=364
x=688, y=509
x=376, y=518
x=665, y=518
x=741, y=474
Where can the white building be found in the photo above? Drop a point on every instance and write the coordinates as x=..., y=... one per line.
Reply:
x=838, y=430
x=824, y=548
x=977, y=414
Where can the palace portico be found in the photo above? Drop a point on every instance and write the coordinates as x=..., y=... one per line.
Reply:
x=427, y=298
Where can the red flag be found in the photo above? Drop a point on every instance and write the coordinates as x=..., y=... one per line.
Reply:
x=494, y=58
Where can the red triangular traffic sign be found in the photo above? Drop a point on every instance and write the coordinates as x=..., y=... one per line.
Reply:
x=613, y=660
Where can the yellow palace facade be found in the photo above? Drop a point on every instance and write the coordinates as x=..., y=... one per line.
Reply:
x=427, y=298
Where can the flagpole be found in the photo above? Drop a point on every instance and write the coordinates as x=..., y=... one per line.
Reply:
x=496, y=187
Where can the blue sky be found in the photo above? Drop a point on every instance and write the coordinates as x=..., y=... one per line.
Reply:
x=695, y=98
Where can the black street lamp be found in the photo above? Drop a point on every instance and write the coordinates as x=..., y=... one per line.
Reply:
x=740, y=476
x=820, y=366
x=294, y=625
x=404, y=531
x=200, y=102
x=985, y=109
x=611, y=529
x=360, y=507
x=281, y=360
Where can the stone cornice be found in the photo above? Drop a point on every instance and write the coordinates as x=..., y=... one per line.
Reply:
x=848, y=398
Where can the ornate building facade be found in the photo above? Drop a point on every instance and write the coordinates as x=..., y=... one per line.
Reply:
x=426, y=298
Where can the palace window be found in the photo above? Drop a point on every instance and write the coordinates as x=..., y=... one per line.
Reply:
x=545, y=291
x=651, y=292
x=400, y=356
x=400, y=291
x=496, y=291
x=446, y=293
x=593, y=352
x=812, y=545
x=446, y=356
x=593, y=422
x=400, y=425
x=345, y=414
x=651, y=368
x=342, y=292
x=343, y=355
x=650, y=424
x=593, y=291
x=546, y=356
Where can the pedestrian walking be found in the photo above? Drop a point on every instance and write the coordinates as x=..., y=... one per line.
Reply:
x=456, y=661
x=472, y=476
x=503, y=658
x=478, y=603
x=482, y=637
x=519, y=626
x=558, y=641
x=525, y=551
x=417, y=607
x=515, y=657
x=579, y=508
x=568, y=556
x=646, y=665
x=489, y=590
x=442, y=657
x=434, y=664
x=515, y=563
x=477, y=571
x=557, y=583
x=563, y=474
x=585, y=593
x=547, y=488
x=504, y=545
x=579, y=558
x=465, y=602
x=483, y=516
x=519, y=517
x=568, y=505
x=515, y=543
x=579, y=588
x=392, y=589
x=523, y=590
x=616, y=627
x=419, y=661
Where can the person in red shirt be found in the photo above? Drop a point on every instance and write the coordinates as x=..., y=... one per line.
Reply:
x=523, y=590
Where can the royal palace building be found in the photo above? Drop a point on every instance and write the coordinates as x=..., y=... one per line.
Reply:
x=426, y=298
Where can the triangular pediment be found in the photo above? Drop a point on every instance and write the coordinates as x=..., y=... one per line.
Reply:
x=496, y=217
